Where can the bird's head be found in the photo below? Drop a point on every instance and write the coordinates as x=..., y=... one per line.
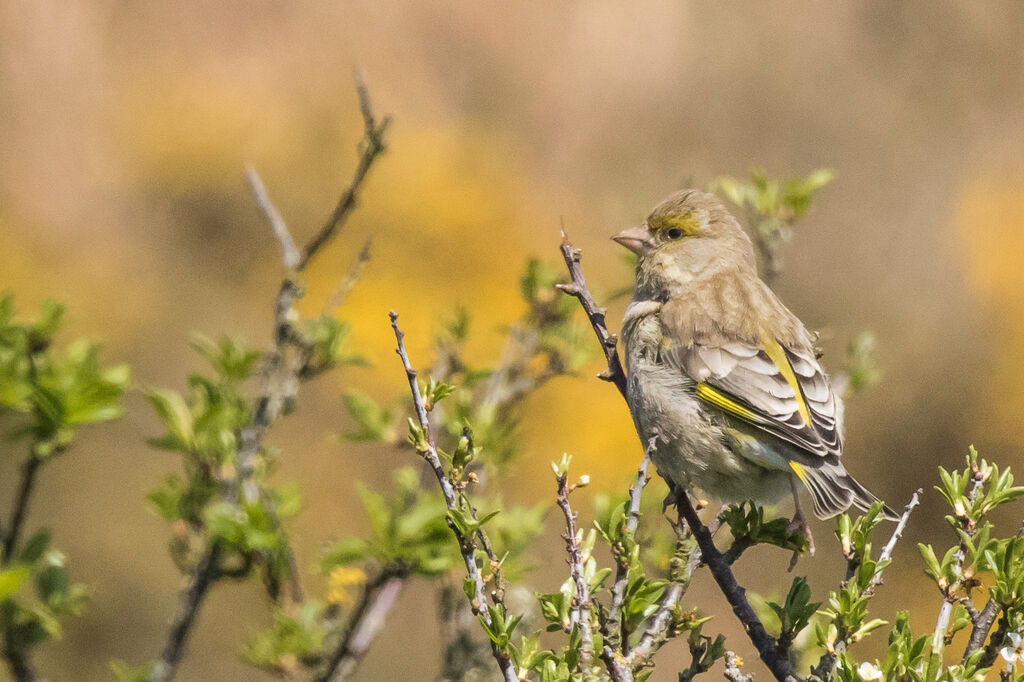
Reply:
x=688, y=233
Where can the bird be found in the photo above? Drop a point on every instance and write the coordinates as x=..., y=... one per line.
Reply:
x=723, y=380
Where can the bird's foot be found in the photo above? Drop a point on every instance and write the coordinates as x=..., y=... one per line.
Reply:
x=800, y=523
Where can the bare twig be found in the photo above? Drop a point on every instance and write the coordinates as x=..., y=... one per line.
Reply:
x=897, y=533
x=283, y=366
x=25, y=487
x=350, y=279
x=578, y=288
x=579, y=614
x=289, y=254
x=826, y=664
x=720, y=570
x=372, y=145
x=366, y=621
x=467, y=546
x=192, y=597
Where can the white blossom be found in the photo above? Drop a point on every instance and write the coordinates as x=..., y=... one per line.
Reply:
x=869, y=671
x=1014, y=651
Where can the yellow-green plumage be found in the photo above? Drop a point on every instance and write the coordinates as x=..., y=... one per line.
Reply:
x=721, y=372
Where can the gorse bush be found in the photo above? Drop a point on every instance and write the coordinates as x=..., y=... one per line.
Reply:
x=448, y=516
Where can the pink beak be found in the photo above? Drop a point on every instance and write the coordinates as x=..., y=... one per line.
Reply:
x=634, y=238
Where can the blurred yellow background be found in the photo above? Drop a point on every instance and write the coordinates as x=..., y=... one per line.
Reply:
x=125, y=129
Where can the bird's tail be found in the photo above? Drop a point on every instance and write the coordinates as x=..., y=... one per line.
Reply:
x=833, y=491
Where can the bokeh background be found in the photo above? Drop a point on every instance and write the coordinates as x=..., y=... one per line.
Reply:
x=125, y=128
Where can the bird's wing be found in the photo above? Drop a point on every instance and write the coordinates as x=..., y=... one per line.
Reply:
x=777, y=389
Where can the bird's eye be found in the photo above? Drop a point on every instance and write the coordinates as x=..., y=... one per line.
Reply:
x=674, y=233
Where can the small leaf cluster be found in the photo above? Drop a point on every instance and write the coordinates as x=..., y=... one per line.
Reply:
x=207, y=503
x=46, y=394
x=407, y=530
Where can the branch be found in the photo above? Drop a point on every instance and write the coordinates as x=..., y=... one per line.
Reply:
x=373, y=145
x=897, y=533
x=289, y=254
x=763, y=642
x=736, y=595
x=25, y=487
x=365, y=622
x=982, y=622
x=578, y=288
x=279, y=386
x=657, y=631
x=580, y=614
x=467, y=548
x=617, y=634
x=205, y=574
x=946, y=610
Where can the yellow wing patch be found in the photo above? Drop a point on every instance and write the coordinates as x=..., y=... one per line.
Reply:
x=724, y=402
x=798, y=469
x=778, y=356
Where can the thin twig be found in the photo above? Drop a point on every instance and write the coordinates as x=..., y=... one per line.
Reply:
x=280, y=380
x=25, y=487
x=897, y=533
x=948, y=599
x=372, y=145
x=618, y=591
x=289, y=254
x=467, y=546
x=366, y=621
x=348, y=282
x=826, y=664
x=657, y=631
x=720, y=570
x=579, y=614
x=608, y=341
x=199, y=583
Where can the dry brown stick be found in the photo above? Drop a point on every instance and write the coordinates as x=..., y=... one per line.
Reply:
x=467, y=546
x=280, y=382
x=720, y=570
x=580, y=614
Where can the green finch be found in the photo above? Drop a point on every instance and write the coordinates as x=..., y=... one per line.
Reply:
x=723, y=379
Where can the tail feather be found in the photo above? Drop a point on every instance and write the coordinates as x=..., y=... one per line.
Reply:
x=833, y=491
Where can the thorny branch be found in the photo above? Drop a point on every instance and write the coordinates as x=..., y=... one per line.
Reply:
x=580, y=614
x=720, y=570
x=280, y=379
x=467, y=546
